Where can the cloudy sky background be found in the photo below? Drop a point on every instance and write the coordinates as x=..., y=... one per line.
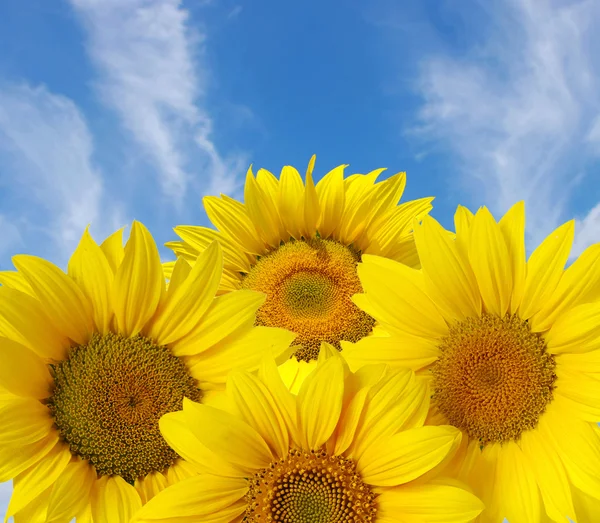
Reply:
x=113, y=110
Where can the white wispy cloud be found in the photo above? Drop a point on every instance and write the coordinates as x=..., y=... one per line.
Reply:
x=51, y=185
x=150, y=67
x=520, y=110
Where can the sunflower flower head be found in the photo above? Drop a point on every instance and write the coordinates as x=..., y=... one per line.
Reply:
x=300, y=244
x=511, y=348
x=350, y=447
x=90, y=360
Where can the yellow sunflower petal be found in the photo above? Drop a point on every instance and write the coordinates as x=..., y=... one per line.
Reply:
x=330, y=190
x=291, y=201
x=114, y=500
x=408, y=351
x=22, y=372
x=449, y=279
x=36, y=479
x=181, y=439
x=581, y=390
x=262, y=211
x=512, y=226
x=233, y=220
x=386, y=196
x=24, y=421
x=15, y=280
x=545, y=268
x=14, y=460
x=312, y=207
x=112, y=248
x=320, y=403
x=139, y=282
x=397, y=296
x=36, y=511
x=90, y=268
x=407, y=455
x=490, y=262
x=228, y=436
x=63, y=301
x=431, y=503
x=77, y=477
x=150, y=486
x=577, y=283
x=18, y=312
x=200, y=497
x=245, y=352
x=586, y=506
x=575, y=331
x=181, y=310
x=180, y=271
x=258, y=409
x=549, y=472
x=224, y=316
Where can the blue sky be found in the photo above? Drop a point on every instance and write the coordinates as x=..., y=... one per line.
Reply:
x=113, y=110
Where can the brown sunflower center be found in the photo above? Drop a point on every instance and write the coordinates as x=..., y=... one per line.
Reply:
x=493, y=378
x=310, y=487
x=309, y=286
x=108, y=397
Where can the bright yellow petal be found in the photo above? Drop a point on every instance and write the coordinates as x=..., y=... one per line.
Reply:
x=512, y=225
x=180, y=438
x=168, y=268
x=139, y=282
x=112, y=248
x=545, y=268
x=18, y=313
x=228, y=436
x=181, y=310
x=200, y=497
x=294, y=372
x=225, y=315
x=489, y=258
x=586, y=506
x=244, y=352
x=256, y=406
x=90, y=268
x=575, y=331
x=449, y=278
x=180, y=271
x=396, y=295
x=150, y=486
x=576, y=285
x=35, y=512
x=331, y=193
x=349, y=420
x=14, y=460
x=37, y=478
x=180, y=471
x=407, y=455
x=588, y=362
x=581, y=390
x=549, y=472
x=231, y=219
x=114, y=500
x=429, y=503
x=22, y=372
x=320, y=403
x=70, y=493
x=24, y=421
x=262, y=211
x=63, y=301
x=408, y=351
x=386, y=196
x=312, y=207
x=291, y=201
x=15, y=280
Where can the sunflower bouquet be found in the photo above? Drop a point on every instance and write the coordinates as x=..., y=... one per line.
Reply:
x=324, y=354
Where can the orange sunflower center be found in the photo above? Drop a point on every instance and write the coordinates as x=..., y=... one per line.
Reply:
x=494, y=378
x=309, y=286
x=310, y=487
x=108, y=397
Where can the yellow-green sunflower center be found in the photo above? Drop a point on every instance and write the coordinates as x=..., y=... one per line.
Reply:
x=108, y=397
x=493, y=378
x=309, y=286
x=310, y=487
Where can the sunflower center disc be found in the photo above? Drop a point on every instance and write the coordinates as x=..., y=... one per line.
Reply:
x=309, y=286
x=310, y=487
x=108, y=397
x=494, y=378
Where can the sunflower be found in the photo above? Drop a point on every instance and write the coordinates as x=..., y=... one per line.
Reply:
x=512, y=351
x=348, y=448
x=93, y=358
x=300, y=244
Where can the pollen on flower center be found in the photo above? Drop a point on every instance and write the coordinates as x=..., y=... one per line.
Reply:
x=494, y=378
x=108, y=397
x=309, y=286
x=310, y=487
